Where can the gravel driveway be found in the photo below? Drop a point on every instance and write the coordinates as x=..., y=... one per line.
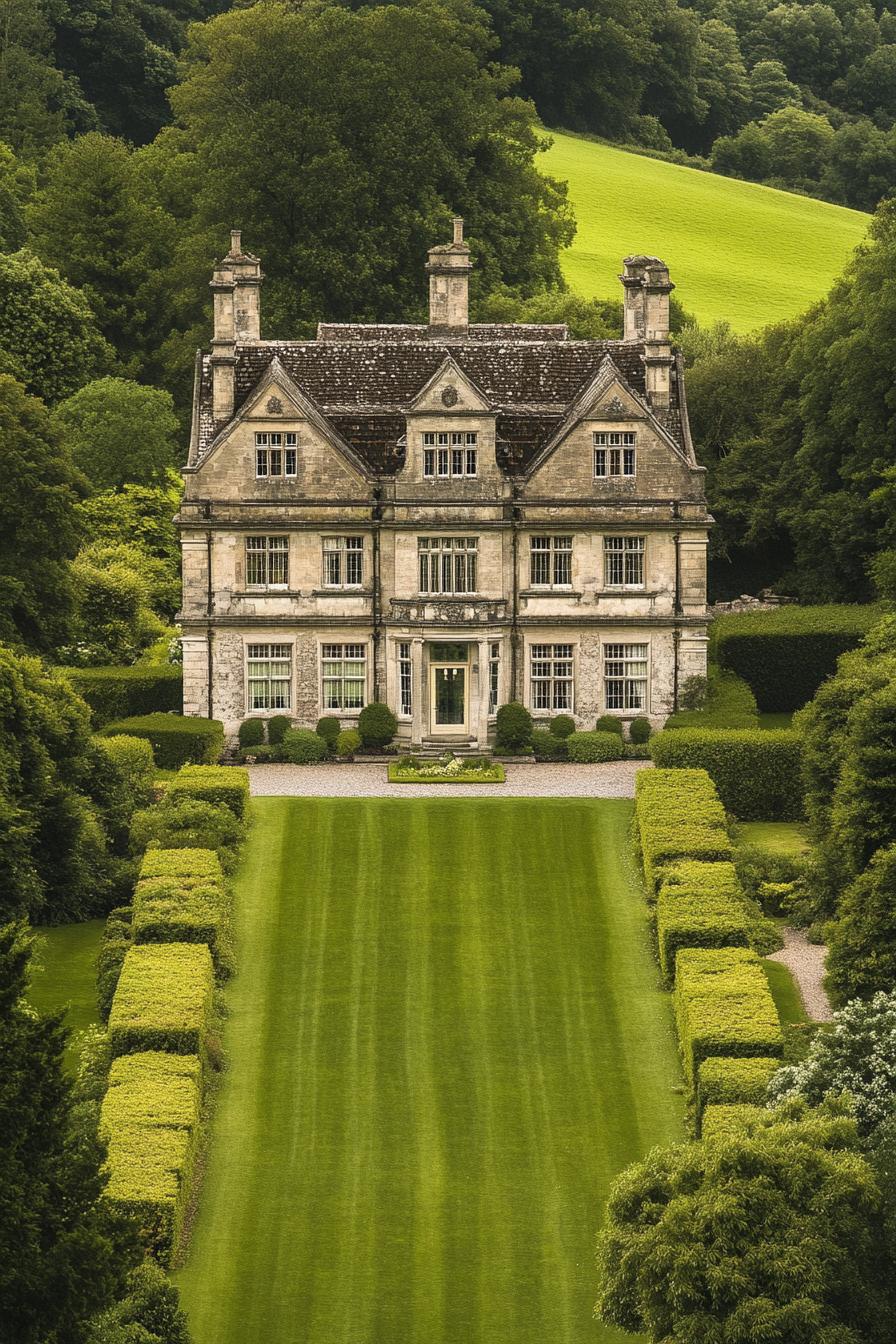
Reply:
x=615, y=779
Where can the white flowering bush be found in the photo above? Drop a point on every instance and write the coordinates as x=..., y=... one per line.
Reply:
x=857, y=1056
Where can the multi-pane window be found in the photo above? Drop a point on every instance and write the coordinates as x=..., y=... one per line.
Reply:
x=267, y=562
x=625, y=676
x=405, y=680
x=343, y=562
x=344, y=675
x=551, y=676
x=269, y=676
x=447, y=564
x=614, y=453
x=623, y=562
x=275, y=455
x=551, y=563
x=494, y=662
x=449, y=454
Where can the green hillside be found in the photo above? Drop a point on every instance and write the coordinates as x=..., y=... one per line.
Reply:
x=736, y=250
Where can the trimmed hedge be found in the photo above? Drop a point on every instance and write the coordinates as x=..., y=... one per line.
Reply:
x=110, y=958
x=377, y=725
x=302, y=747
x=705, y=912
x=592, y=748
x=199, y=866
x=163, y=1000
x=226, y=786
x=189, y=905
x=723, y=1006
x=729, y=704
x=734, y=1082
x=784, y=655
x=678, y=816
x=122, y=692
x=175, y=740
x=730, y=1122
x=547, y=747
x=758, y=774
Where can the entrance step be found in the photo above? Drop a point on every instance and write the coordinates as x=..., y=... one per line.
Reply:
x=458, y=746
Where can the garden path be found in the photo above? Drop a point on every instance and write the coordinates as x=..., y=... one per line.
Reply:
x=805, y=961
x=615, y=779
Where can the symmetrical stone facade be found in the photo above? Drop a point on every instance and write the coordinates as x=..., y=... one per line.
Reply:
x=444, y=517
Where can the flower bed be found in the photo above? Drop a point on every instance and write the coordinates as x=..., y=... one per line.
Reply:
x=446, y=770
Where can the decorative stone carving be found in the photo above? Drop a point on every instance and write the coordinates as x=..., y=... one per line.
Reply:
x=450, y=396
x=274, y=406
x=613, y=410
x=451, y=611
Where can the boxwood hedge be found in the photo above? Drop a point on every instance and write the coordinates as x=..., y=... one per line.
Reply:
x=723, y=1006
x=197, y=866
x=227, y=785
x=729, y=1122
x=729, y=704
x=705, y=913
x=186, y=904
x=591, y=748
x=758, y=773
x=784, y=655
x=732, y=1082
x=122, y=692
x=678, y=816
x=175, y=740
x=163, y=1000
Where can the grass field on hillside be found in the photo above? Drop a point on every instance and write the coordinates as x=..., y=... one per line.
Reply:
x=736, y=251
x=445, y=1039
x=63, y=975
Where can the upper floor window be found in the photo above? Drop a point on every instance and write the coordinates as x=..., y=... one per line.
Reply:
x=267, y=562
x=269, y=676
x=447, y=564
x=449, y=454
x=623, y=562
x=343, y=562
x=275, y=455
x=614, y=453
x=551, y=562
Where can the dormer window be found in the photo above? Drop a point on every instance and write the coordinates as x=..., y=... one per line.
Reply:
x=275, y=455
x=614, y=453
x=447, y=454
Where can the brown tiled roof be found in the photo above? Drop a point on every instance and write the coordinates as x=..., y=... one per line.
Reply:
x=405, y=333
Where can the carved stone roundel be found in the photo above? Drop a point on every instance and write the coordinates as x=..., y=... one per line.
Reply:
x=274, y=406
x=449, y=396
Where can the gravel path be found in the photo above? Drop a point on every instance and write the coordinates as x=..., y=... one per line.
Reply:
x=805, y=961
x=616, y=779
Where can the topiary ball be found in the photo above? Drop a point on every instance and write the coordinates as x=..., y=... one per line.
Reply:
x=564, y=725
x=607, y=723
x=278, y=727
x=251, y=732
x=377, y=725
x=329, y=729
x=347, y=743
x=640, y=730
x=302, y=747
x=513, y=727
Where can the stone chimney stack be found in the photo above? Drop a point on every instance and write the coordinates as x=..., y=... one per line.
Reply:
x=235, y=285
x=657, y=344
x=449, y=269
x=633, y=298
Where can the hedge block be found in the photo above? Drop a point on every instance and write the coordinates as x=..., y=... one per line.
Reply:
x=730, y=1122
x=227, y=786
x=166, y=911
x=175, y=740
x=121, y=692
x=199, y=866
x=152, y=1088
x=723, y=1006
x=699, y=916
x=678, y=816
x=757, y=773
x=735, y=1082
x=163, y=1000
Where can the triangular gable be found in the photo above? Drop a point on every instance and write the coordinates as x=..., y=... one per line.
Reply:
x=276, y=379
x=606, y=396
x=449, y=389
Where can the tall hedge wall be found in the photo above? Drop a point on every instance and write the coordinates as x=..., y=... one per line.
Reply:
x=678, y=816
x=163, y=1000
x=758, y=773
x=225, y=785
x=700, y=910
x=176, y=740
x=784, y=655
x=723, y=1006
x=184, y=902
x=122, y=692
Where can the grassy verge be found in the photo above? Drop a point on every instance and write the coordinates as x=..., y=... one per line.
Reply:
x=785, y=994
x=775, y=837
x=64, y=976
x=446, y=1036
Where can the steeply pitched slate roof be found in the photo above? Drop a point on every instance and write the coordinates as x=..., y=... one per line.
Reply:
x=363, y=379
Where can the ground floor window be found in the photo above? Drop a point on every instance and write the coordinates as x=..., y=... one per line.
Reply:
x=494, y=663
x=269, y=676
x=344, y=675
x=551, y=676
x=625, y=676
x=405, y=700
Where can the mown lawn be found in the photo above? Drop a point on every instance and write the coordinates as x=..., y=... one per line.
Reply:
x=446, y=1037
x=737, y=251
x=63, y=975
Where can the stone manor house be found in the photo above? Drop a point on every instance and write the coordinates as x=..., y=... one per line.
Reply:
x=444, y=517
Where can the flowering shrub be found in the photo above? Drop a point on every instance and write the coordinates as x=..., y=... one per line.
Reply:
x=448, y=768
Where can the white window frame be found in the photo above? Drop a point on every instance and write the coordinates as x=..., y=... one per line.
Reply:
x=614, y=453
x=274, y=560
x=626, y=690
x=276, y=455
x=552, y=554
x=351, y=652
x=448, y=566
x=552, y=677
x=624, y=561
x=405, y=680
x=494, y=675
x=346, y=551
x=269, y=654
x=450, y=453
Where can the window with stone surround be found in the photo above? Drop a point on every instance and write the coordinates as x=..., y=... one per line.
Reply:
x=623, y=562
x=551, y=676
x=405, y=680
x=343, y=562
x=625, y=676
x=614, y=453
x=447, y=454
x=494, y=664
x=275, y=454
x=551, y=562
x=447, y=564
x=268, y=676
x=343, y=675
x=267, y=562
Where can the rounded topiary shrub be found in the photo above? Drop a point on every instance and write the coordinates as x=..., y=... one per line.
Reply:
x=589, y=748
x=278, y=727
x=251, y=732
x=302, y=747
x=377, y=725
x=547, y=747
x=639, y=730
x=564, y=725
x=329, y=729
x=347, y=743
x=607, y=723
x=513, y=727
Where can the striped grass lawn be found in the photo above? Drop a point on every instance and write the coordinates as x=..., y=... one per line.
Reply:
x=445, y=1039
